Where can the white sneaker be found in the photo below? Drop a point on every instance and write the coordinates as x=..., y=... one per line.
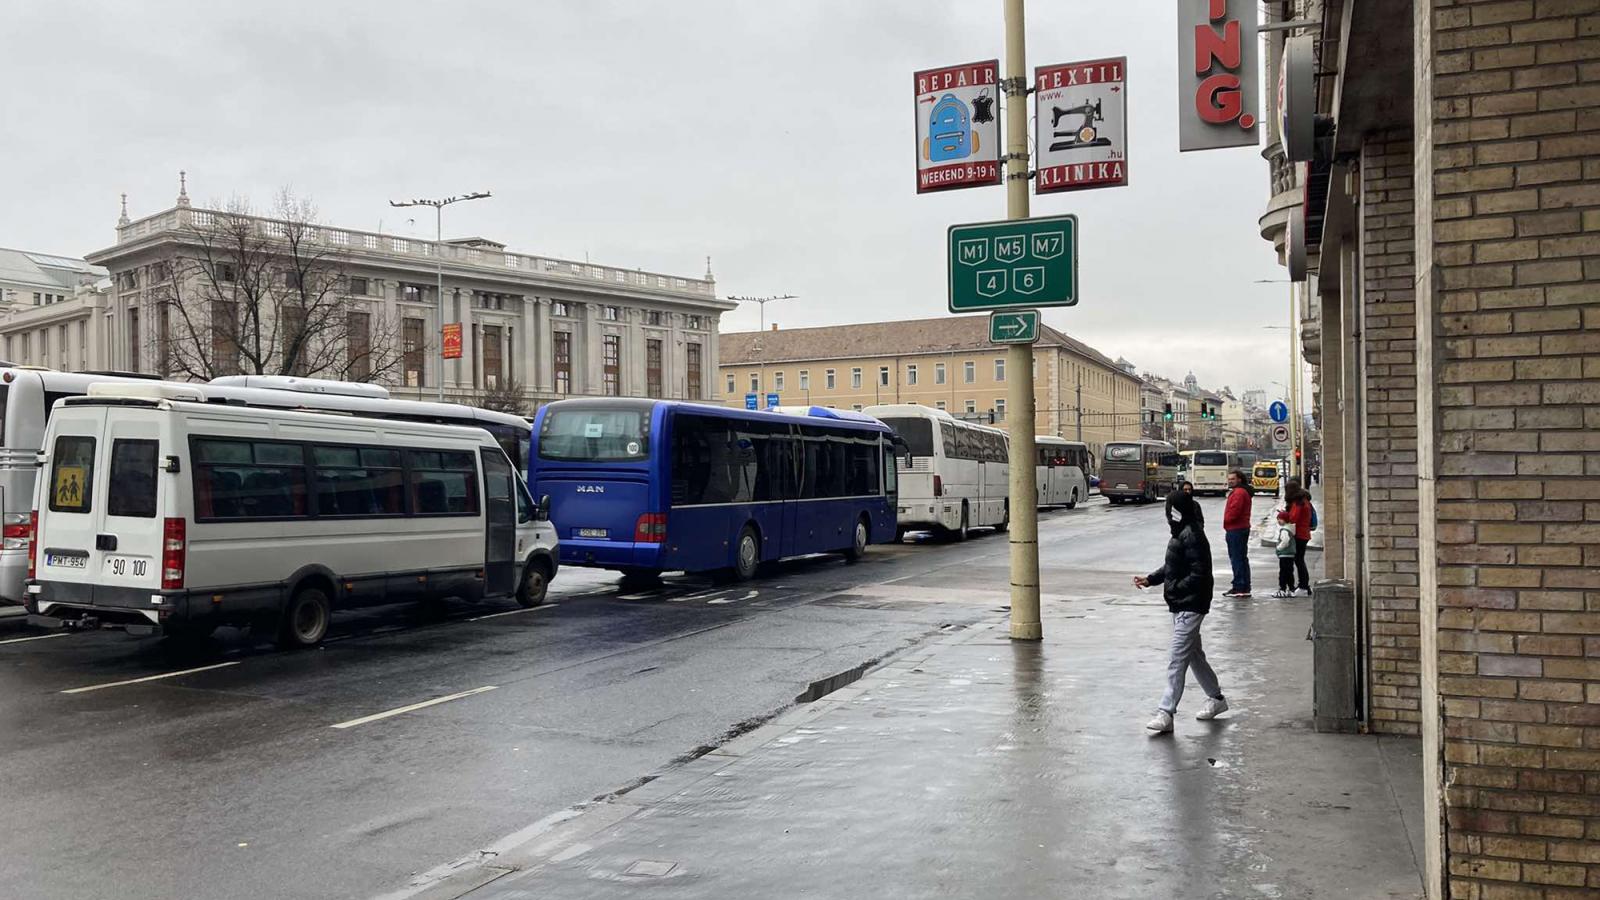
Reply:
x=1215, y=706
x=1161, y=724
x=1303, y=592
x=1282, y=594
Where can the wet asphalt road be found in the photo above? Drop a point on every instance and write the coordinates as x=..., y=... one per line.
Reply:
x=234, y=781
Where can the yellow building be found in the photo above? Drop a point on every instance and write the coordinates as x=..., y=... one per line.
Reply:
x=946, y=363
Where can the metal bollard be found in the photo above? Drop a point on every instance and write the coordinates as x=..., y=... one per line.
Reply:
x=1333, y=657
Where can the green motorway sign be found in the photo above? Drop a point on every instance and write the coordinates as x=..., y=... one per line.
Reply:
x=1022, y=263
x=1014, y=327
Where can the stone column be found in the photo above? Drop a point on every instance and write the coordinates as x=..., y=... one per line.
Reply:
x=593, y=355
x=531, y=325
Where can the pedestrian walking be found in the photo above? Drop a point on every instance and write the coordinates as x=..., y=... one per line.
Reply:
x=1296, y=512
x=1186, y=584
x=1236, y=530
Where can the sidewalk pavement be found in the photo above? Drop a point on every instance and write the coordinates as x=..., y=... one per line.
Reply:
x=979, y=767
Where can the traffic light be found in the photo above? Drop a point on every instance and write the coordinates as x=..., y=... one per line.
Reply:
x=1166, y=412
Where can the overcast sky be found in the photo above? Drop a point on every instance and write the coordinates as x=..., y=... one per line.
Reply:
x=775, y=137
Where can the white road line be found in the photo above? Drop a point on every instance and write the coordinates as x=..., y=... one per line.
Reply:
x=700, y=596
x=414, y=707
x=97, y=687
x=37, y=637
x=648, y=596
x=750, y=596
x=514, y=612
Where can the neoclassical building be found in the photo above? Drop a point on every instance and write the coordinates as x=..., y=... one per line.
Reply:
x=555, y=328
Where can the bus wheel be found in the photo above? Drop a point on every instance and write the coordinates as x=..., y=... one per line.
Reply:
x=635, y=579
x=1005, y=519
x=535, y=584
x=747, y=555
x=960, y=534
x=858, y=543
x=305, y=620
x=1073, y=503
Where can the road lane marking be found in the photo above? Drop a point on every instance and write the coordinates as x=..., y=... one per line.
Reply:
x=37, y=637
x=98, y=687
x=414, y=707
x=514, y=612
x=699, y=596
x=750, y=596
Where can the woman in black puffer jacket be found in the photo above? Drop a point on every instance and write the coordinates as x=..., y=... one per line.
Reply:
x=1187, y=584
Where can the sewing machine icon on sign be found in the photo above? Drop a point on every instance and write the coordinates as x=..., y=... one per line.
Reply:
x=1086, y=134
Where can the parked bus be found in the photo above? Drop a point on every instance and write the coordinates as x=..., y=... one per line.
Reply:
x=165, y=507
x=1064, y=468
x=959, y=474
x=1138, y=471
x=646, y=486
x=27, y=396
x=1209, y=470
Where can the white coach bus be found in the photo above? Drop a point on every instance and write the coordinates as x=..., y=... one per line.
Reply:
x=1064, y=468
x=1209, y=469
x=163, y=507
x=27, y=396
x=959, y=475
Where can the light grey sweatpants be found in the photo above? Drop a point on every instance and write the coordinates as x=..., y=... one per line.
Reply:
x=1186, y=654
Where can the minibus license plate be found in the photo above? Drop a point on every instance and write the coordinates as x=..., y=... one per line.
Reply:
x=591, y=532
x=1121, y=486
x=68, y=562
x=126, y=567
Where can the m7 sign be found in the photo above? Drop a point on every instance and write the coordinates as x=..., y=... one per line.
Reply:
x=1024, y=263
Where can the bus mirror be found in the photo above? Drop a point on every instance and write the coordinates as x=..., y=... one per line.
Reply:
x=544, y=508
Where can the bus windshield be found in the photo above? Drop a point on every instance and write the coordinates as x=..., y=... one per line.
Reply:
x=596, y=434
x=1210, y=458
x=1122, y=453
x=916, y=432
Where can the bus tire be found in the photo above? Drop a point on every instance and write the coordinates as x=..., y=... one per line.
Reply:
x=1005, y=519
x=747, y=554
x=859, y=538
x=535, y=584
x=635, y=579
x=305, y=619
x=1073, y=503
x=960, y=534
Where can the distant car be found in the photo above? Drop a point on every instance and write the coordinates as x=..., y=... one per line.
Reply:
x=950, y=135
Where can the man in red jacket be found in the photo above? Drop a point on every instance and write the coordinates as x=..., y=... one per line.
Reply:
x=1236, y=527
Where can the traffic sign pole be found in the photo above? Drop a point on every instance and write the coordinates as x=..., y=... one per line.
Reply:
x=1024, y=534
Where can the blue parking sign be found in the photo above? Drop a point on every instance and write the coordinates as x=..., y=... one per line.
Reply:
x=772, y=400
x=752, y=401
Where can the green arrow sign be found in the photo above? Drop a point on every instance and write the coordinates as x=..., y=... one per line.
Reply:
x=1014, y=327
x=1005, y=265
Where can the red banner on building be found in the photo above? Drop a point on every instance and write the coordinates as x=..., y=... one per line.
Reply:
x=452, y=341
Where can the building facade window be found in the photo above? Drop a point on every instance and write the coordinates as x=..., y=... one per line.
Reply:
x=777, y=382
x=911, y=374
x=1000, y=370
x=883, y=376
x=1000, y=409
x=855, y=378
x=938, y=404
x=493, y=356
x=224, y=337
x=830, y=380
x=412, y=293
x=611, y=364
x=692, y=370
x=755, y=383
x=62, y=349
x=358, y=344
x=805, y=379
x=652, y=368
x=359, y=287
x=413, y=347
x=133, y=339
x=652, y=317
x=294, y=338
x=611, y=313
x=971, y=406
x=558, y=308
x=969, y=372
x=561, y=351
x=730, y=386
x=938, y=373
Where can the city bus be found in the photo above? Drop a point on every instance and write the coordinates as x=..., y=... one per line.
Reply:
x=1064, y=468
x=958, y=477
x=1142, y=471
x=1209, y=469
x=648, y=486
x=163, y=508
x=27, y=396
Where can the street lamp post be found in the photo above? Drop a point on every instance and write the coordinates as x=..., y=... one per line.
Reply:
x=761, y=364
x=438, y=256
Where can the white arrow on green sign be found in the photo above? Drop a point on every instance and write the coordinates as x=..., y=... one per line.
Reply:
x=1017, y=326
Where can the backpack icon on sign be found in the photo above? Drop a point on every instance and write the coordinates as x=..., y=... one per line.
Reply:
x=950, y=135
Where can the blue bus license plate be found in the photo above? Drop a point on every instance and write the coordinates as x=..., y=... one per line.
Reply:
x=591, y=532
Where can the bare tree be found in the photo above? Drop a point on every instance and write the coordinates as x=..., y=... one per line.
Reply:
x=505, y=396
x=254, y=295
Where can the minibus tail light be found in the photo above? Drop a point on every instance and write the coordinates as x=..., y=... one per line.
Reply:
x=938, y=486
x=651, y=528
x=18, y=529
x=173, y=553
x=33, y=543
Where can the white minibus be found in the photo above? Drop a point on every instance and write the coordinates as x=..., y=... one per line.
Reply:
x=959, y=473
x=161, y=506
x=1063, y=472
x=1209, y=470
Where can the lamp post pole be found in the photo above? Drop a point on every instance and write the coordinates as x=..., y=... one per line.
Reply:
x=761, y=364
x=438, y=257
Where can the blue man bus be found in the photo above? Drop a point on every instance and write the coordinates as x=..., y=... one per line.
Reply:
x=647, y=486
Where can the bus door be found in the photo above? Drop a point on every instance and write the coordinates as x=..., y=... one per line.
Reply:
x=500, y=524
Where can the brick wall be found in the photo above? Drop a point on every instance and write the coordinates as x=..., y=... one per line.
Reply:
x=1388, y=296
x=1514, y=453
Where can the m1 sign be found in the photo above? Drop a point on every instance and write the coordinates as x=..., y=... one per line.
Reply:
x=1218, y=74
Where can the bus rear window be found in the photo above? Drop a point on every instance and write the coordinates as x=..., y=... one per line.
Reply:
x=595, y=435
x=917, y=433
x=1211, y=459
x=1122, y=453
x=133, y=479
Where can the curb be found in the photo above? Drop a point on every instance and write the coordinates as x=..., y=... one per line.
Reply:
x=565, y=834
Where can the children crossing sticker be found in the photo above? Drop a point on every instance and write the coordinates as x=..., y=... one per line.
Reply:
x=71, y=488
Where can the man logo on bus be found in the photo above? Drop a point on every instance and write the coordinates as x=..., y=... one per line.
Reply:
x=950, y=135
x=591, y=489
